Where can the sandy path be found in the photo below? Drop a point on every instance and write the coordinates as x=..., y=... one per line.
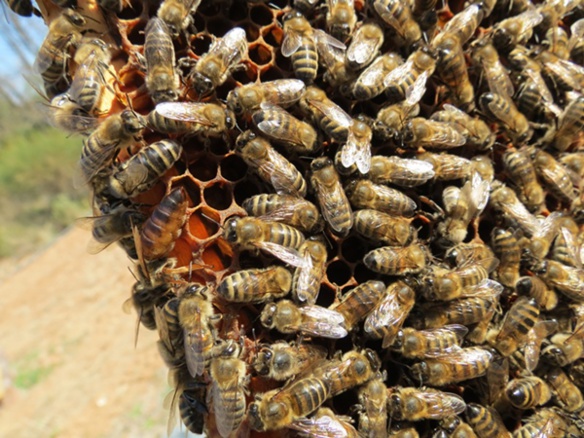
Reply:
x=62, y=321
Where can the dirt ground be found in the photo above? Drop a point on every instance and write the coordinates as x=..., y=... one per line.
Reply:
x=67, y=349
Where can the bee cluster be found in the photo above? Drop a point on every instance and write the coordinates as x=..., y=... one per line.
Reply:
x=374, y=207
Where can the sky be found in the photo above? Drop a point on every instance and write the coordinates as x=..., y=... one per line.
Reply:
x=11, y=66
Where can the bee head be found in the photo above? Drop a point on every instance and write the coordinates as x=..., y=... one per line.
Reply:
x=230, y=232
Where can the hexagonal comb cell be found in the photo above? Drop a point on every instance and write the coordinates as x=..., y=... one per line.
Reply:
x=217, y=236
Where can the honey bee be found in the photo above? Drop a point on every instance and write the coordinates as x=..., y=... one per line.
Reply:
x=565, y=279
x=431, y=134
x=477, y=133
x=109, y=228
x=65, y=33
x=391, y=120
x=331, y=118
x=280, y=126
x=397, y=260
x=454, y=367
x=505, y=201
x=545, y=422
x=479, y=306
x=256, y=285
x=249, y=97
x=464, y=24
x=507, y=33
x=568, y=247
x=296, y=212
x=462, y=206
x=365, y=44
x=278, y=408
x=283, y=360
x=452, y=70
x=400, y=171
x=520, y=318
x=171, y=343
x=475, y=251
x=333, y=202
x=112, y=135
x=359, y=302
x=353, y=369
x=554, y=176
x=177, y=14
x=68, y=116
x=522, y=172
x=373, y=409
x=385, y=321
x=270, y=165
x=566, y=394
x=414, y=404
x=507, y=248
x=381, y=227
x=162, y=80
x=196, y=316
x=228, y=374
x=214, y=67
x=535, y=288
x=341, y=18
x=569, y=124
x=447, y=167
x=520, y=59
x=399, y=17
x=307, y=278
x=89, y=88
x=299, y=43
x=363, y=193
x=325, y=423
x=191, y=118
x=412, y=74
x=565, y=348
x=430, y=343
x=371, y=81
x=446, y=285
x=486, y=421
x=531, y=352
x=164, y=226
x=280, y=240
x=318, y=321
x=357, y=149
x=528, y=392
x=142, y=171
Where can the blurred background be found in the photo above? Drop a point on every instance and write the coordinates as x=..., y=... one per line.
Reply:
x=68, y=365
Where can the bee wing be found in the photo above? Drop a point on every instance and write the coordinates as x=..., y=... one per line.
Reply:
x=415, y=92
x=274, y=166
x=287, y=255
x=305, y=278
x=171, y=403
x=193, y=347
x=328, y=204
x=184, y=112
x=397, y=73
x=323, y=322
x=577, y=31
x=535, y=336
x=462, y=19
x=548, y=227
x=466, y=356
x=485, y=289
x=458, y=330
x=229, y=46
x=412, y=168
x=224, y=406
x=571, y=246
x=477, y=192
x=388, y=312
x=286, y=90
x=325, y=38
x=334, y=112
x=452, y=109
x=291, y=43
x=89, y=223
x=86, y=76
x=568, y=71
x=384, y=11
x=357, y=151
x=162, y=327
x=59, y=49
x=498, y=79
x=497, y=377
x=360, y=51
x=441, y=404
x=543, y=90
x=322, y=427
x=529, y=19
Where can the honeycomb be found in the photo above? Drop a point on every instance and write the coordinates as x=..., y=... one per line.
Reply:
x=216, y=181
